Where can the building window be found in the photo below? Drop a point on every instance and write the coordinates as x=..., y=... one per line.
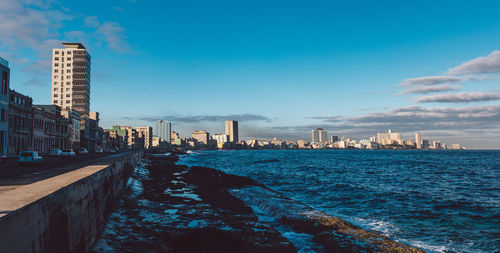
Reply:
x=5, y=85
x=55, y=89
x=68, y=95
x=69, y=52
x=67, y=89
x=69, y=64
x=57, y=52
x=55, y=101
x=55, y=95
x=56, y=64
x=68, y=70
x=56, y=77
x=57, y=58
x=67, y=83
x=56, y=71
x=69, y=58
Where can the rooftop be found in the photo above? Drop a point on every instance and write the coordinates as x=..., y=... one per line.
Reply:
x=73, y=45
x=4, y=62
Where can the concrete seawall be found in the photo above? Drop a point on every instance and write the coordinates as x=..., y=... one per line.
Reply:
x=64, y=213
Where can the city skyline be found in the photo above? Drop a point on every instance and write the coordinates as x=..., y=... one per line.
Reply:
x=439, y=81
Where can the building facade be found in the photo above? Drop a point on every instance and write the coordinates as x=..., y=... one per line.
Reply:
x=146, y=134
x=45, y=132
x=162, y=130
x=418, y=140
x=71, y=78
x=201, y=136
x=4, y=105
x=389, y=138
x=232, y=130
x=20, y=122
x=73, y=118
x=319, y=135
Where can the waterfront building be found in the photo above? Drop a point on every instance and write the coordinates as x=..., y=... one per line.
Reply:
x=303, y=144
x=71, y=78
x=201, y=136
x=334, y=138
x=418, y=140
x=319, y=135
x=73, y=129
x=455, y=146
x=425, y=144
x=222, y=140
x=146, y=134
x=163, y=130
x=389, y=138
x=4, y=105
x=436, y=144
x=20, y=123
x=45, y=128
x=232, y=130
x=131, y=136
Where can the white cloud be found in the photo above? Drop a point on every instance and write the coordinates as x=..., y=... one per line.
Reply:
x=463, y=97
x=430, y=80
x=429, y=89
x=482, y=64
x=114, y=35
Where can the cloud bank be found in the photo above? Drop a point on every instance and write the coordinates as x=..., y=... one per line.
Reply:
x=482, y=64
x=463, y=97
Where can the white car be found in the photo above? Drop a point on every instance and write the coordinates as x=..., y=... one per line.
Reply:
x=83, y=151
x=68, y=153
x=29, y=157
x=55, y=152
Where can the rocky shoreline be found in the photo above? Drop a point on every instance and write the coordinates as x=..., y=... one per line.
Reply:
x=173, y=208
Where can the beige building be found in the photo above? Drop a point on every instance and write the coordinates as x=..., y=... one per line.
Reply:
x=418, y=140
x=201, y=136
x=71, y=78
x=73, y=127
x=232, y=130
x=146, y=134
x=389, y=138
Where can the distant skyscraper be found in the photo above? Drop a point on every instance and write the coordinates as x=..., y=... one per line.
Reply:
x=232, y=130
x=334, y=138
x=71, y=78
x=425, y=144
x=319, y=135
x=418, y=140
x=163, y=129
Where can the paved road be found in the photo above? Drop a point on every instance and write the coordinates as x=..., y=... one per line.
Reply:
x=13, y=175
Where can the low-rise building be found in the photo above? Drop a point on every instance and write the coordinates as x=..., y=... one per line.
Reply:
x=4, y=105
x=73, y=128
x=201, y=136
x=20, y=122
x=45, y=129
x=146, y=136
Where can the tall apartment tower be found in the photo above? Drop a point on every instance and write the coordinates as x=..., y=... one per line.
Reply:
x=71, y=78
x=232, y=130
x=319, y=135
x=418, y=140
x=163, y=130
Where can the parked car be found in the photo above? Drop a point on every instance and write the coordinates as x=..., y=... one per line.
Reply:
x=99, y=150
x=3, y=158
x=55, y=152
x=29, y=157
x=110, y=150
x=83, y=151
x=68, y=153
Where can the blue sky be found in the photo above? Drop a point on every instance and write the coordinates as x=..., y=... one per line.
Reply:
x=280, y=67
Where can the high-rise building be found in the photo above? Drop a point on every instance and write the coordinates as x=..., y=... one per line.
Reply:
x=146, y=134
x=71, y=78
x=4, y=105
x=418, y=140
x=232, y=130
x=334, y=138
x=319, y=135
x=163, y=130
